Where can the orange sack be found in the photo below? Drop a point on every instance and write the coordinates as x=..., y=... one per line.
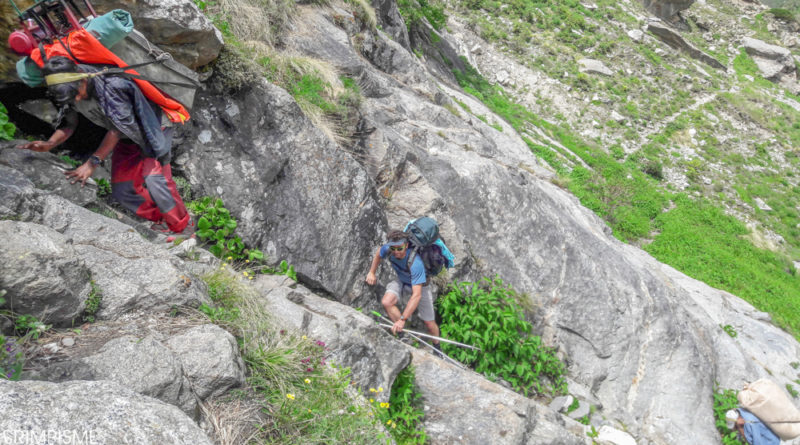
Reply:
x=87, y=49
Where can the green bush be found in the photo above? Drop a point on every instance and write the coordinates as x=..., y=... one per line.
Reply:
x=403, y=414
x=487, y=315
x=7, y=129
x=414, y=10
x=724, y=400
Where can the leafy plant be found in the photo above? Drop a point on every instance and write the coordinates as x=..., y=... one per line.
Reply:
x=219, y=315
x=92, y=302
x=414, y=10
x=724, y=400
x=216, y=226
x=29, y=325
x=488, y=315
x=403, y=414
x=729, y=330
x=71, y=162
x=791, y=390
x=7, y=129
x=103, y=187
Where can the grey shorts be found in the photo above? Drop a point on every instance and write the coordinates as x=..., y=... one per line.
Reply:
x=403, y=293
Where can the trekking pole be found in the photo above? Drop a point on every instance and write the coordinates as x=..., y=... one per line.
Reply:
x=434, y=337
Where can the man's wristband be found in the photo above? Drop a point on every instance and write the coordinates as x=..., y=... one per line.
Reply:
x=403, y=317
x=94, y=160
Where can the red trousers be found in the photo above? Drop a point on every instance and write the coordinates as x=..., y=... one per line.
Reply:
x=145, y=187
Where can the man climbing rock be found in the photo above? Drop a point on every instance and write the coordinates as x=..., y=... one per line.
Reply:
x=141, y=141
x=410, y=285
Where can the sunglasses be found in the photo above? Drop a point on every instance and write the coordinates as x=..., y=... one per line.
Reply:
x=397, y=248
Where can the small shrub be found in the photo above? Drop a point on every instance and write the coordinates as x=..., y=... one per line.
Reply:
x=729, y=330
x=791, y=390
x=7, y=129
x=403, y=414
x=216, y=226
x=487, y=315
x=92, y=303
x=724, y=400
x=103, y=187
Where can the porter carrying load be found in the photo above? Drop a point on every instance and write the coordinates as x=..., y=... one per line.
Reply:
x=61, y=28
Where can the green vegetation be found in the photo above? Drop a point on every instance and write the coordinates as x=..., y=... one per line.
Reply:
x=302, y=398
x=71, y=162
x=216, y=226
x=93, y=302
x=700, y=240
x=11, y=357
x=790, y=389
x=414, y=10
x=403, y=414
x=730, y=330
x=724, y=400
x=7, y=129
x=103, y=187
x=488, y=315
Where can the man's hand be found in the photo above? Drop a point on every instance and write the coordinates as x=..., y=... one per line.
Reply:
x=81, y=173
x=37, y=146
x=398, y=326
x=371, y=280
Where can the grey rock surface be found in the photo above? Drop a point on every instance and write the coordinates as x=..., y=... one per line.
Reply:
x=46, y=171
x=354, y=340
x=42, y=274
x=464, y=408
x=175, y=26
x=210, y=359
x=94, y=412
x=277, y=173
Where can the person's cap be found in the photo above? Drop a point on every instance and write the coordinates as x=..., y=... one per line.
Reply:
x=731, y=417
x=396, y=243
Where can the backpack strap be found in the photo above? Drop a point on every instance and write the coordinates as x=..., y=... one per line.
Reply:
x=412, y=255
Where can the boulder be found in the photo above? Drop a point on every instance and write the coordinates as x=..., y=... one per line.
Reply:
x=176, y=26
x=143, y=365
x=373, y=356
x=42, y=274
x=465, y=408
x=90, y=412
x=773, y=61
x=210, y=359
x=674, y=39
x=666, y=9
x=612, y=436
x=592, y=66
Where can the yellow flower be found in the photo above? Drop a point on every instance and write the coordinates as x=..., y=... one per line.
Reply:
x=372, y=390
x=245, y=273
x=394, y=425
x=380, y=389
x=230, y=258
x=371, y=400
x=246, y=261
x=309, y=411
x=304, y=337
x=308, y=381
x=389, y=422
x=290, y=396
x=385, y=405
x=250, y=278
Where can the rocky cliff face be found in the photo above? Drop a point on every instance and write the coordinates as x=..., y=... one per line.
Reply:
x=640, y=338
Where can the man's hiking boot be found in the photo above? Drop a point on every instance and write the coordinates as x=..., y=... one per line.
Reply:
x=437, y=350
x=160, y=227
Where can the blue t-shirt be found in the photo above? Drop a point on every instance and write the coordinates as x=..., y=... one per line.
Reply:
x=411, y=277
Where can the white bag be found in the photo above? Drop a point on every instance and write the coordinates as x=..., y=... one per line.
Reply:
x=769, y=402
